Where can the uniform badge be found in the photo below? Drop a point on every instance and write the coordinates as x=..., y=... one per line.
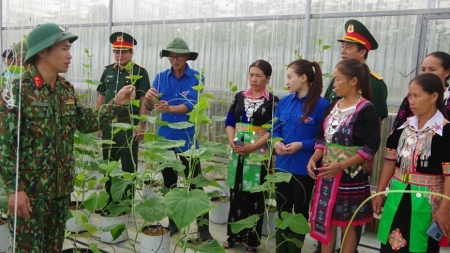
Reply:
x=307, y=119
x=185, y=93
x=70, y=101
x=119, y=38
x=350, y=28
x=109, y=76
x=62, y=28
x=38, y=81
x=128, y=77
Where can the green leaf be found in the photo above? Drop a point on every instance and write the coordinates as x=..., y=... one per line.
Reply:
x=136, y=102
x=94, y=247
x=82, y=95
x=258, y=157
x=210, y=247
x=240, y=225
x=207, y=95
x=91, y=82
x=234, y=88
x=88, y=66
x=203, y=103
x=159, y=155
x=200, y=181
x=296, y=222
x=118, y=187
x=180, y=125
x=161, y=123
x=151, y=137
x=278, y=177
x=267, y=126
x=109, y=167
x=151, y=210
x=90, y=228
x=325, y=47
x=122, y=126
x=273, y=140
x=115, y=230
x=96, y=201
x=164, y=144
x=218, y=118
x=107, y=142
x=135, y=77
x=297, y=242
x=319, y=41
x=118, y=209
x=175, y=165
x=198, y=87
x=185, y=205
x=259, y=188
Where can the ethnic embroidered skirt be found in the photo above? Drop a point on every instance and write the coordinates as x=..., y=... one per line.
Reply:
x=336, y=200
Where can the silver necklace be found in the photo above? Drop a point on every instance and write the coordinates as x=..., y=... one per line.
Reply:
x=337, y=117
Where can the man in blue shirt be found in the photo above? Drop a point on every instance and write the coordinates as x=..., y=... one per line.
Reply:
x=172, y=94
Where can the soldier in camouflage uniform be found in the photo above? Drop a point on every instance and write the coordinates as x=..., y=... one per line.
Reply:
x=49, y=111
x=114, y=77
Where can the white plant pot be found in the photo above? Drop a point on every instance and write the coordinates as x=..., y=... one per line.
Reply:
x=150, y=192
x=5, y=236
x=219, y=214
x=156, y=243
x=74, y=224
x=268, y=227
x=109, y=221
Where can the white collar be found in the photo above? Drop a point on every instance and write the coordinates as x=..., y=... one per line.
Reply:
x=436, y=123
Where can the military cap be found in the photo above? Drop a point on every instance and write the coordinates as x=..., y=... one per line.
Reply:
x=122, y=41
x=44, y=36
x=178, y=46
x=20, y=48
x=358, y=33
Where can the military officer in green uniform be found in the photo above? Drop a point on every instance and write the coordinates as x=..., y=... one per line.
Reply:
x=38, y=150
x=356, y=44
x=114, y=77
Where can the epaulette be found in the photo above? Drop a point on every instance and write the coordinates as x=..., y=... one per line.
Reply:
x=376, y=75
x=139, y=66
x=110, y=65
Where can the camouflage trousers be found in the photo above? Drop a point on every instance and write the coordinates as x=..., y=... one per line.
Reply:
x=44, y=231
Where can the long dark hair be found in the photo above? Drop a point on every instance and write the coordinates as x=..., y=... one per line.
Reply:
x=263, y=65
x=431, y=83
x=314, y=76
x=354, y=68
x=445, y=62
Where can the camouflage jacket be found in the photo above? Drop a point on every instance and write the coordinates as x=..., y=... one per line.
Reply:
x=48, y=120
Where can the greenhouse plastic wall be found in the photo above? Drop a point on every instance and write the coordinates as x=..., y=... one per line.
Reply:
x=230, y=34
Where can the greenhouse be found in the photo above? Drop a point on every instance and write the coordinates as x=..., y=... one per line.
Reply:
x=228, y=36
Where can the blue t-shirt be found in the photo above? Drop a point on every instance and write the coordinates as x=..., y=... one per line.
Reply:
x=177, y=92
x=291, y=129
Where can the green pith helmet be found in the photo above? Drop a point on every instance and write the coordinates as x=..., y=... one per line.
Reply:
x=358, y=33
x=178, y=46
x=44, y=36
x=20, y=48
